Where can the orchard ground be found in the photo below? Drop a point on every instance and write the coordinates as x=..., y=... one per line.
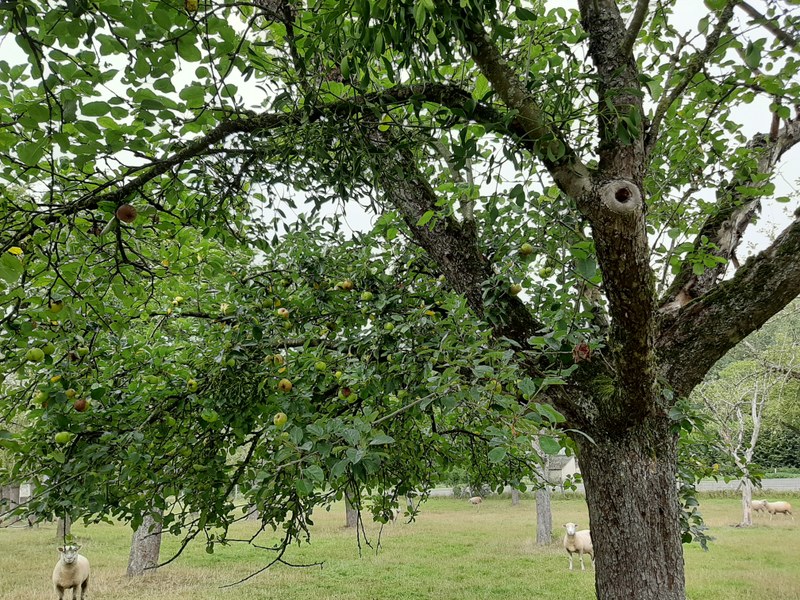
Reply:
x=454, y=550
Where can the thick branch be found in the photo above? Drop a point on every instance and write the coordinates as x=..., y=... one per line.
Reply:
x=707, y=328
x=635, y=26
x=725, y=228
x=569, y=173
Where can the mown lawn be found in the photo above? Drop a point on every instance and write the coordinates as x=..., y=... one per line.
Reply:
x=451, y=551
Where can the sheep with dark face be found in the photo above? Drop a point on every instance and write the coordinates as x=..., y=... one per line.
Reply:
x=578, y=542
x=71, y=572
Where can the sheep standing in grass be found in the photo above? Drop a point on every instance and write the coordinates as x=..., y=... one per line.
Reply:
x=758, y=505
x=774, y=508
x=71, y=572
x=475, y=500
x=579, y=542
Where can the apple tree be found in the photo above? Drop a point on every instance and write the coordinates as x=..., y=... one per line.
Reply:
x=581, y=179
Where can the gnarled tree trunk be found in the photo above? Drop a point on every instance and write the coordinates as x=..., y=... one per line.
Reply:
x=634, y=512
x=145, y=547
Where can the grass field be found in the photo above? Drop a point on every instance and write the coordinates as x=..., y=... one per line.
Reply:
x=451, y=551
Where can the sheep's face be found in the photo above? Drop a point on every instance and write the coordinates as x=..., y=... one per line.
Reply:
x=571, y=528
x=69, y=554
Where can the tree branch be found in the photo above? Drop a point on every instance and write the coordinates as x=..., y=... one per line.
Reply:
x=693, y=68
x=539, y=132
x=770, y=25
x=724, y=229
x=639, y=13
x=707, y=328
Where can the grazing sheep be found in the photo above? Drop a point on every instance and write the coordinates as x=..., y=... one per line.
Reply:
x=758, y=505
x=778, y=507
x=475, y=500
x=579, y=542
x=71, y=572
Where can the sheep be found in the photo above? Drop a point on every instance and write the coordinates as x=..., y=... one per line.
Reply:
x=71, y=572
x=579, y=542
x=475, y=500
x=758, y=505
x=778, y=507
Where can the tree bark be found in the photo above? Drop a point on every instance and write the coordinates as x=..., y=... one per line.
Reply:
x=629, y=476
x=10, y=496
x=351, y=513
x=747, y=498
x=514, y=496
x=544, y=517
x=63, y=528
x=145, y=547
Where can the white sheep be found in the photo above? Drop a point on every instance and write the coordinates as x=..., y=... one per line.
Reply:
x=475, y=500
x=758, y=505
x=71, y=572
x=579, y=542
x=778, y=507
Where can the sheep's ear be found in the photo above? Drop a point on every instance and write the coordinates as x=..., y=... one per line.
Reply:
x=61, y=549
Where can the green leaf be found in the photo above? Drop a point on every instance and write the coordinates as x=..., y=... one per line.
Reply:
x=549, y=445
x=381, y=439
x=95, y=109
x=315, y=473
x=11, y=268
x=423, y=220
x=497, y=455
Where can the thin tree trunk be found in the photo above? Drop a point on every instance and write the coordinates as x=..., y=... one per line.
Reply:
x=629, y=476
x=514, y=496
x=544, y=517
x=747, y=498
x=145, y=547
x=351, y=514
x=10, y=496
x=63, y=528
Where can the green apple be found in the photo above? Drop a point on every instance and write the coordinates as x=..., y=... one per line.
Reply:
x=48, y=349
x=285, y=385
x=514, y=289
x=545, y=272
x=366, y=296
x=83, y=351
x=347, y=285
x=191, y=385
x=178, y=300
x=71, y=393
x=283, y=313
x=338, y=374
x=34, y=355
x=280, y=419
x=526, y=249
x=389, y=326
x=321, y=365
x=62, y=437
x=41, y=397
x=56, y=306
x=231, y=362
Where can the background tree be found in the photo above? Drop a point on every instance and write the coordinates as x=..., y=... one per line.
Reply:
x=614, y=191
